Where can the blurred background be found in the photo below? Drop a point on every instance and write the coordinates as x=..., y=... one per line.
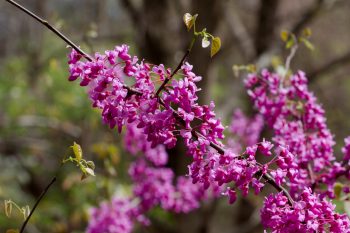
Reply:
x=42, y=114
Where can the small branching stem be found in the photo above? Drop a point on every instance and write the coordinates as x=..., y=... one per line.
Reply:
x=177, y=68
x=218, y=148
x=293, y=50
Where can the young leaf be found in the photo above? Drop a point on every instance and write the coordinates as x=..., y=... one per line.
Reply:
x=8, y=208
x=89, y=171
x=284, y=36
x=215, y=47
x=205, y=42
x=189, y=20
x=90, y=164
x=307, y=43
x=290, y=43
x=307, y=32
x=78, y=153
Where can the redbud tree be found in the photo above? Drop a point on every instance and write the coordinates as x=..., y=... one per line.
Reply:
x=152, y=106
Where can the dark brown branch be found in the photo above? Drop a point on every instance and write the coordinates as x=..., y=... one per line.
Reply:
x=37, y=203
x=177, y=68
x=218, y=148
x=173, y=73
x=221, y=151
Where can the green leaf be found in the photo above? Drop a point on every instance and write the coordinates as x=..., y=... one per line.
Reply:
x=189, y=20
x=89, y=171
x=308, y=44
x=25, y=211
x=78, y=153
x=290, y=43
x=90, y=164
x=215, y=46
x=307, y=32
x=205, y=42
x=8, y=208
x=284, y=35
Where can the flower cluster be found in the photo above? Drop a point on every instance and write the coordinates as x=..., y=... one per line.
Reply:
x=297, y=120
x=153, y=182
x=245, y=131
x=115, y=217
x=125, y=90
x=309, y=214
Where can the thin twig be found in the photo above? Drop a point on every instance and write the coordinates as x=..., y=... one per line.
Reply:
x=269, y=179
x=36, y=204
x=293, y=50
x=177, y=68
x=215, y=146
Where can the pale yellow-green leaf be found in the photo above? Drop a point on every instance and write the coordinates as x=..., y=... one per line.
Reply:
x=89, y=171
x=307, y=32
x=78, y=153
x=205, y=42
x=189, y=20
x=251, y=68
x=90, y=164
x=8, y=208
x=235, y=69
x=290, y=43
x=308, y=44
x=284, y=35
x=27, y=211
x=215, y=46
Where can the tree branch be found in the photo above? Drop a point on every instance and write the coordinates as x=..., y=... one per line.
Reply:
x=218, y=148
x=177, y=68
